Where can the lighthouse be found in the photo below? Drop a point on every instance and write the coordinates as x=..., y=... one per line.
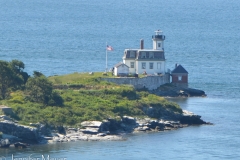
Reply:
x=158, y=40
x=147, y=61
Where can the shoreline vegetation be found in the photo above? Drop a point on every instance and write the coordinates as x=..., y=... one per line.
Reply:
x=80, y=106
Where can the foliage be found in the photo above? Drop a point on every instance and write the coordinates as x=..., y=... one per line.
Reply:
x=39, y=88
x=82, y=105
x=71, y=99
x=6, y=77
x=12, y=77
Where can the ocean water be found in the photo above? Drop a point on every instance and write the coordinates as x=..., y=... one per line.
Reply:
x=60, y=37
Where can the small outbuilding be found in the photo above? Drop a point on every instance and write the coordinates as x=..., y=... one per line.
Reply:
x=121, y=69
x=179, y=76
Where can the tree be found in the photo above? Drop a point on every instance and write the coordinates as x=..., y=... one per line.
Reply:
x=55, y=99
x=6, y=78
x=39, y=88
x=18, y=67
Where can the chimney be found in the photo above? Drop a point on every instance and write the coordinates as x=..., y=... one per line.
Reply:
x=141, y=44
x=176, y=65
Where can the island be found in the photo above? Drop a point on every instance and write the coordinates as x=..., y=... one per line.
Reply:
x=79, y=106
x=107, y=105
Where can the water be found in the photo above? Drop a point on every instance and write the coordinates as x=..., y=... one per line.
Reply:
x=60, y=37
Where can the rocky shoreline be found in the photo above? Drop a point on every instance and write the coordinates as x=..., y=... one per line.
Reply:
x=170, y=90
x=108, y=130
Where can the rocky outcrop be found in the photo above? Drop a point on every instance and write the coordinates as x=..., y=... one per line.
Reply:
x=190, y=92
x=170, y=90
x=159, y=119
x=115, y=129
x=25, y=133
x=191, y=119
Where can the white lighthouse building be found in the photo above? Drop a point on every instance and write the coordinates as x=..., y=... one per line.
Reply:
x=149, y=61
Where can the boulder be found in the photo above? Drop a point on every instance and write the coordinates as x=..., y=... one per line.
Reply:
x=21, y=145
x=92, y=124
x=4, y=143
x=4, y=117
x=23, y=132
x=129, y=120
x=194, y=92
x=190, y=118
x=90, y=130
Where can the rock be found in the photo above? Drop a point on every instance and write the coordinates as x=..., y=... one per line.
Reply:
x=48, y=138
x=144, y=129
x=91, y=124
x=83, y=138
x=73, y=129
x=21, y=145
x=129, y=120
x=194, y=92
x=94, y=127
x=89, y=130
x=101, y=134
x=169, y=90
x=5, y=143
x=23, y=132
x=190, y=118
x=4, y=117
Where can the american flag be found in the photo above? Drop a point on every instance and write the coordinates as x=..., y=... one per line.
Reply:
x=109, y=48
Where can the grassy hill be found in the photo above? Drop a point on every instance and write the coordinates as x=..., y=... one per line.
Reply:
x=86, y=97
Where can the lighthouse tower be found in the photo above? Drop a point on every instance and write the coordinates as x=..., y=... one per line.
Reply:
x=158, y=40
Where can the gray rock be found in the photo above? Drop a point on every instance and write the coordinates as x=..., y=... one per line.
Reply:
x=24, y=132
x=101, y=134
x=129, y=120
x=90, y=130
x=4, y=117
x=190, y=118
x=93, y=124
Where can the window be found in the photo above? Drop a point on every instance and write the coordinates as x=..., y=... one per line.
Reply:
x=132, y=54
x=143, y=55
x=143, y=65
x=159, y=45
x=151, y=55
x=179, y=78
x=132, y=64
x=150, y=65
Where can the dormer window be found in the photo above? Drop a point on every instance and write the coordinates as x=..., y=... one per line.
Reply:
x=151, y=55
x=143, y=55
x=132, y=54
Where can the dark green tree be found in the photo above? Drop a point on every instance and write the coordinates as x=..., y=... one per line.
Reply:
x=6, y=79
x=55, y=100
x=39, y=88
x=20, y=77
x=18, y=67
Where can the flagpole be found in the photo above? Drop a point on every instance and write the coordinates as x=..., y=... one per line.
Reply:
x=106, y=58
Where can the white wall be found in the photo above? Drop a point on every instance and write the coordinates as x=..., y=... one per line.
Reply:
x=128, y=63
x=150, y=82
x=122, y=69
x=155, y=45
x=156, y=69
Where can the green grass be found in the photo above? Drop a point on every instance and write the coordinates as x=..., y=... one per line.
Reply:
x=89, y=98
x=79, y=78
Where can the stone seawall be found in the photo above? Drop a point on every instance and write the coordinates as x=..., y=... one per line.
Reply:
x=149, y=82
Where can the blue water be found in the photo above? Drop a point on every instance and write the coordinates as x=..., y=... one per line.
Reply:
x=59, y=37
